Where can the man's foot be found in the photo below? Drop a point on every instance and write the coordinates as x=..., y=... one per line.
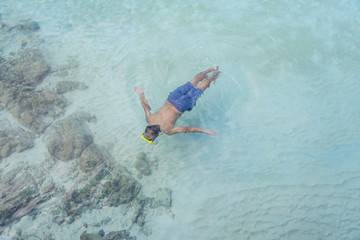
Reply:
x=211, y=69
x=214, y=75
x=201, y=76
x=206, y=83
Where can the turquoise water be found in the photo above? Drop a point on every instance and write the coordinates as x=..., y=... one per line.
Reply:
x=285, y=161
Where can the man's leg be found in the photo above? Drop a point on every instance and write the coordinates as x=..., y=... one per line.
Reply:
x=201, y=76
x=206, y=83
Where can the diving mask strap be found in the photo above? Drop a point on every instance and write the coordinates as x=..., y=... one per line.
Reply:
x=146, y=139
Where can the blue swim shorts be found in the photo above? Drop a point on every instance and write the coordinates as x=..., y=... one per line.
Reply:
x=184, y=97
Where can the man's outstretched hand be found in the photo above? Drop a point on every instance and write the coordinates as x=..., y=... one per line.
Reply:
x=138, y=90
x=210, y=132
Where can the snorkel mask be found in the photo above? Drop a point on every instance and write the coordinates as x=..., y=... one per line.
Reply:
x=149, y=141
x=153, y=131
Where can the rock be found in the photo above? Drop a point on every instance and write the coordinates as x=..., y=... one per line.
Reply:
x=140, y=221
x=2, y=25
x=107, y=188
x=102, y=185
x=119, y=235
x=102, y=233
x=139, y=214
x=142, y=165
x=163, y=198
x=33, y=109
x=21, y=73
x=67, y=86
x=146, y=231
x=20, y=194
x=70, y=138
x=142, y=205
x=103, y=222
x=90, y=158
x=27, y=26
x=80, y=199
x=27, y=69
x=141, y=155
x=90, y=236
x=120, y=189
x=13, y=139
x=18, y=232
x=154, y=162
x=49, y=236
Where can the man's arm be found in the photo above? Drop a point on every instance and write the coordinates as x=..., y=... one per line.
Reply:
x=143, y=101
x=176, y=130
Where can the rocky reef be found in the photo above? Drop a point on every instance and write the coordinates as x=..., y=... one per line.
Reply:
x=26, y=68
x=22, y=190
x=116, y=235
x=34, y=110
x=69, y=138
x=31, y=114
x=20, y=73
x=14, y=139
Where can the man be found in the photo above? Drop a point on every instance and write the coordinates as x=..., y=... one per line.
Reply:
x=181, y=100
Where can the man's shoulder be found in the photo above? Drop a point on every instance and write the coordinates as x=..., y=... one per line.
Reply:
x=173, y=130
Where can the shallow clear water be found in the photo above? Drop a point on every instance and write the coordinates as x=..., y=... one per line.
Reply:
x=285, y=161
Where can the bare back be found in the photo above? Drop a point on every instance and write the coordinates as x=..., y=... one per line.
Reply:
x=166, y=117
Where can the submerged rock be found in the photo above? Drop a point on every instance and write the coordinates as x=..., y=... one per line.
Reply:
x=119, y=235
x=80, y=199
x=121, y=188
x=142, y=165
x=141, y=155
x=102, y=233
x=163, y=198
x=13, y=139
x=146, y=231
x=33, y=109
x=69, y=139
x=27, y=69
x=2, y=25
x=67, y=86
x=90, y=236
x=91, y=157
x=115, y=235
x=106, y=188
x=101, y=184
x=22, y=190
x=22, y=68
x=27, y=26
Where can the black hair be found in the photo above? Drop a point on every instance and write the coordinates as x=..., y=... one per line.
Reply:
x=153, y=130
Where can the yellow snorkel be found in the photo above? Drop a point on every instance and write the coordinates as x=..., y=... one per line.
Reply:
x=146, y=139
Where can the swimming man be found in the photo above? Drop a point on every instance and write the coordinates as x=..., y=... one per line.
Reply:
x=180, y=100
